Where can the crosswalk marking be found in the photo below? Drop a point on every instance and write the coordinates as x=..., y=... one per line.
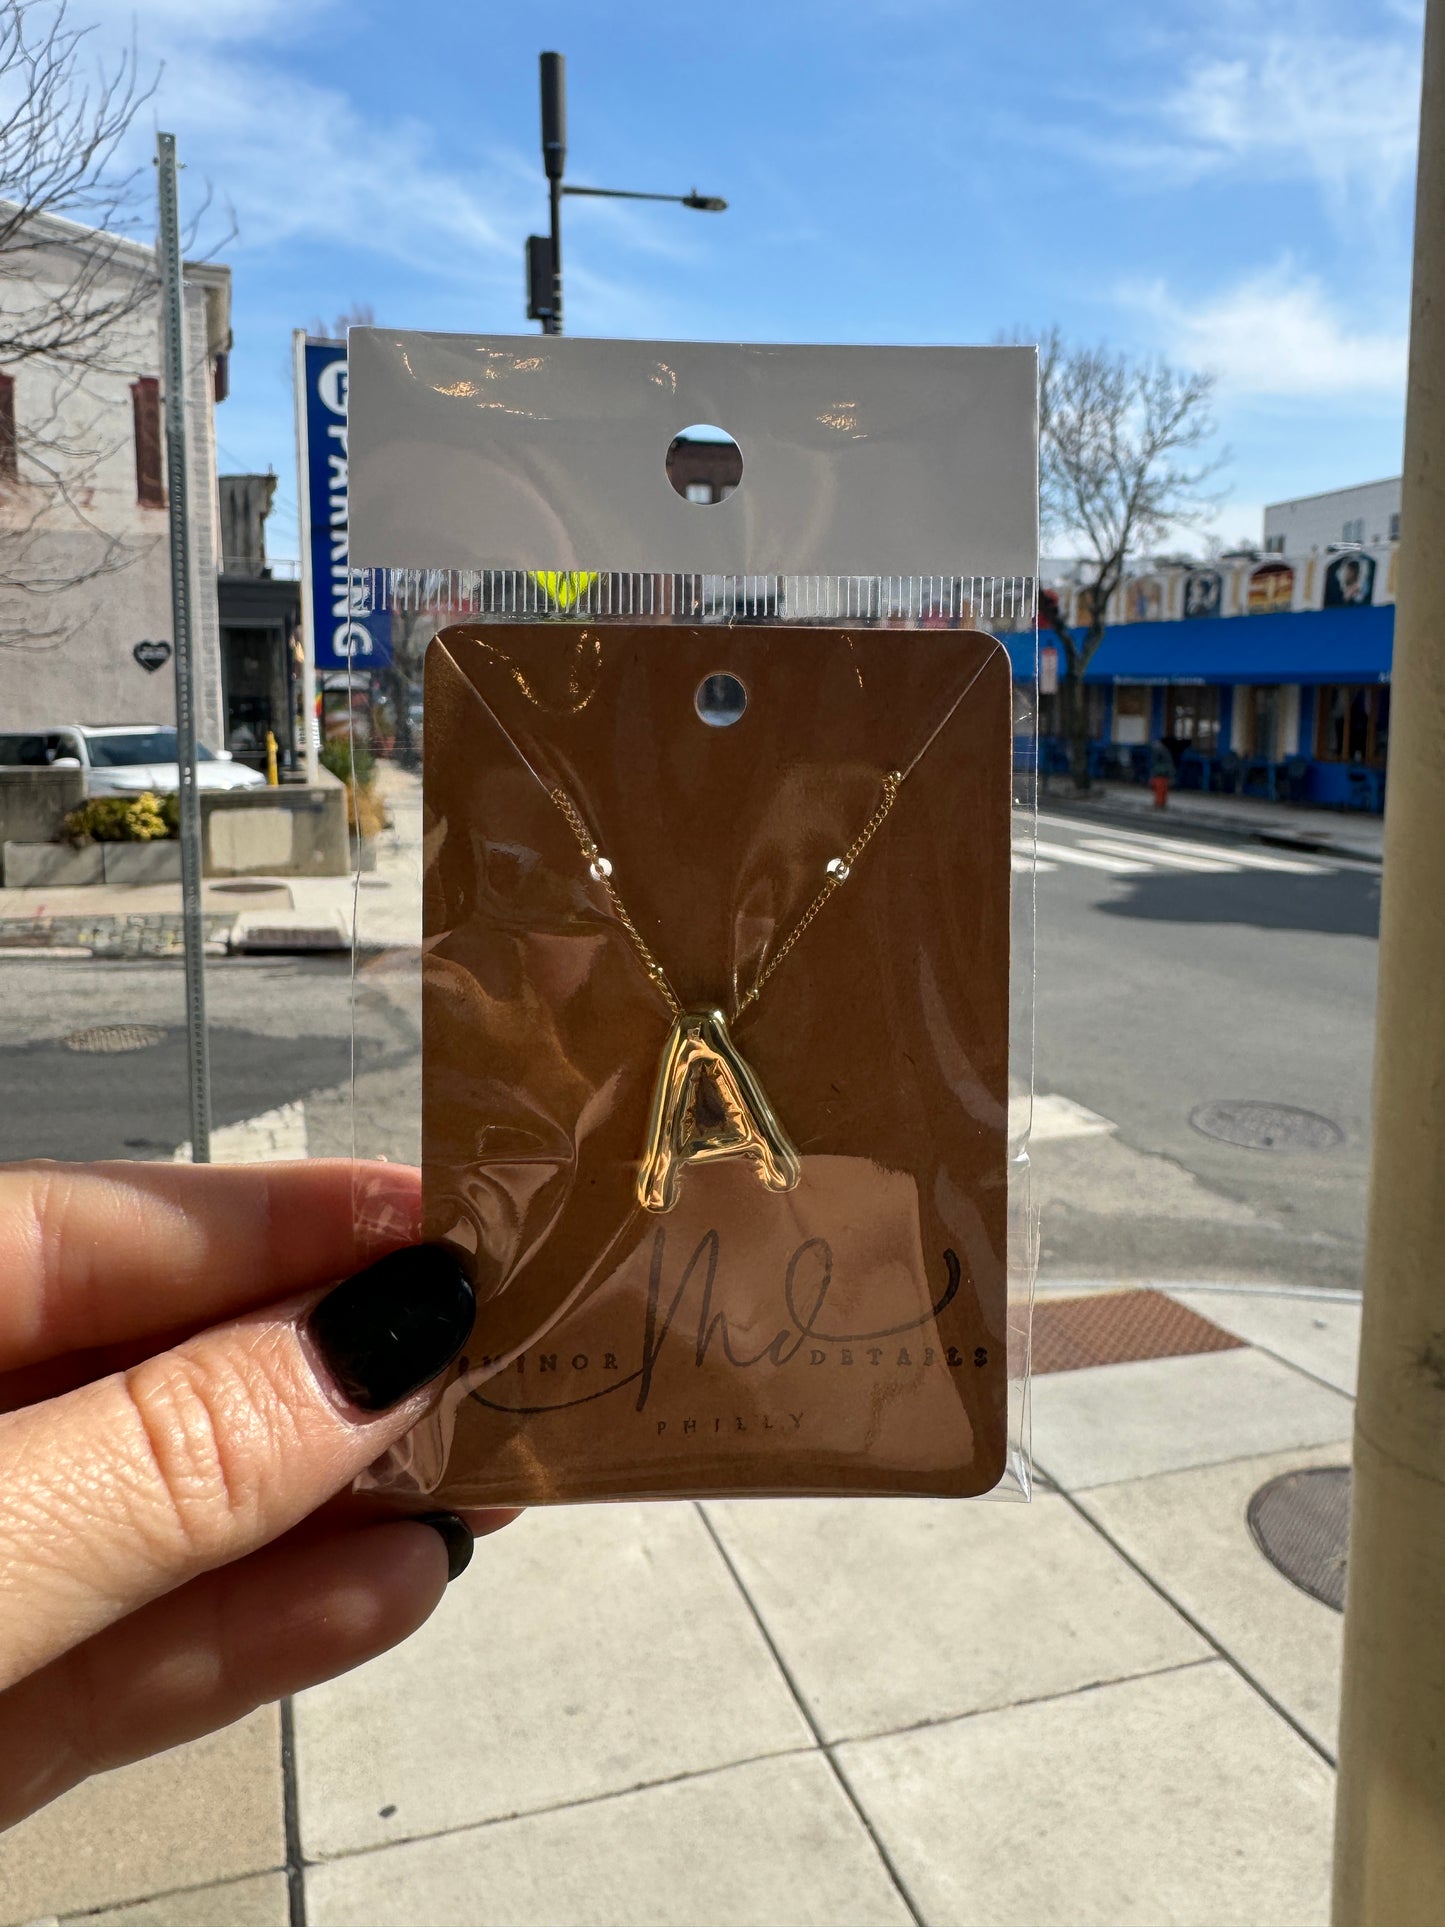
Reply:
x=1149, y=847
x=269, y=1138
x=1068, y=853
x=1172, y=859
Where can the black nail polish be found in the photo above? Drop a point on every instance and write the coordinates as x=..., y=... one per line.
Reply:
x=384, y=1333
x=456, y=1536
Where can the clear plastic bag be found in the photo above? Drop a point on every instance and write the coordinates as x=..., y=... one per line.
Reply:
x=721, y=959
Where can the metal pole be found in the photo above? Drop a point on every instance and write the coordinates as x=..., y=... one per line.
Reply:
x=554, y=160
x=173, y=311
x=1390, y=1816
x=310, y=725
x=554, y=320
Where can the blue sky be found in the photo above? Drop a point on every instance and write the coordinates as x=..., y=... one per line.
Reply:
x=1226, y=184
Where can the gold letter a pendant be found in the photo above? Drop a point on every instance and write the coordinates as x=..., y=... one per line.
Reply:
x=706, y=1105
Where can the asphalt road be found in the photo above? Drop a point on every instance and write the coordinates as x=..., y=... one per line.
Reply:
x=1165, y=986
x=1171, y=974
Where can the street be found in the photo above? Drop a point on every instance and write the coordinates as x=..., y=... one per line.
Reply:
x=1173, y=972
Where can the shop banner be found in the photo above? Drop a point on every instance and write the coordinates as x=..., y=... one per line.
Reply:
x=348, y=633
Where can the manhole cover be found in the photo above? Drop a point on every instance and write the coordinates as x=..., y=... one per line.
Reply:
x=1266, y=1127
x=116, y=1037
x=1301, y=1523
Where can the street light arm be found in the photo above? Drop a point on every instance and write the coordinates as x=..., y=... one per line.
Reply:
x=706, y=203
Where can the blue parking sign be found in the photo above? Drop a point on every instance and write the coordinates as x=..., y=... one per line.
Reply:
x=349, y=633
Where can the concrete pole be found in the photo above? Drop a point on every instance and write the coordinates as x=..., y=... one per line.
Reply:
x=1390, y=1822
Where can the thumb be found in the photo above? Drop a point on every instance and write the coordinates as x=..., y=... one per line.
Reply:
x=133, y=1485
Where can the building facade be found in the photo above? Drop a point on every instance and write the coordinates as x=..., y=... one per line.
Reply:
x=1266, y=671
x=260, y=625
x=1369, y=514
x=85, y=593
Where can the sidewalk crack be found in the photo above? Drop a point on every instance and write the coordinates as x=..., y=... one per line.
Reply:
x=886, y=1859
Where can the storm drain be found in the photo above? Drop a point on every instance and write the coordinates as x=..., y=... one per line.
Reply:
x=1266, y=1127
x=1118, y=1328
x=116, y=1037
x=1301, y=1523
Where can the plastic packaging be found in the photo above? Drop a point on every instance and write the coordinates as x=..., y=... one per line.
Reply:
x=723, y=981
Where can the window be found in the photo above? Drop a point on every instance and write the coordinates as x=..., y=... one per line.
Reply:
x=1352, y=722
x=132, y=748
x=1257, y=721
x=699, y=491
x=9, y=467
x=25, y=751
x=1395, y=526
x=1191, y=715
x=1354, y=530
x=1274, y=545
x=1131, y=712
x=150, y=483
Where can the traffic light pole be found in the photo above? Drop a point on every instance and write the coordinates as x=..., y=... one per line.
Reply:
x=544, y=254
x=552, y=323
x=554, y=159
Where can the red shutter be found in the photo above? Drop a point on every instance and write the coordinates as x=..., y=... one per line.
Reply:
x=150, y=480
x=9, y=467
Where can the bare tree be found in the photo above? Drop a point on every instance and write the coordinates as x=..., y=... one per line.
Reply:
x=72, y=284
x=1120, y=466
x=359, y=315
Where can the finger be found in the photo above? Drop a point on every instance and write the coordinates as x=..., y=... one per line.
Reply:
x=283, y=1619
x=93, y=1255
x=130, y=1487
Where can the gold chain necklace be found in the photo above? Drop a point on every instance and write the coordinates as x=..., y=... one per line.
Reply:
x=707, y=1103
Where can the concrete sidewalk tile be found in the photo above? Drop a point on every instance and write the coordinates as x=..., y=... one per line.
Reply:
x=261, y=1901
x=1162, y=1414
x=1189, y=1531
x=202, y=1813
x=589, y=1650
x=1179, y=1800
x=752, y=1845
x=888, y=1612
x=1320, y=1335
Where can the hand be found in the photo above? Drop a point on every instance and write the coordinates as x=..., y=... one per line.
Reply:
x=172, y=1549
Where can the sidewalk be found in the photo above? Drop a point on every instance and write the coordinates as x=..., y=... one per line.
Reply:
x=1105, y=1707
x=145, y=919
x=1294, y=826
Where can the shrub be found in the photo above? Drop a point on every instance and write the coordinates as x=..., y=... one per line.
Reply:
x=124, y=819
x=349, y=762
x=355, y=765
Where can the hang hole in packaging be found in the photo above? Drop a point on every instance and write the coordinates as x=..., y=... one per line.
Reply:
x=719, y=1036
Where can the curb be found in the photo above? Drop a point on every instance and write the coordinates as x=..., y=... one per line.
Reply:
x=1218, y=826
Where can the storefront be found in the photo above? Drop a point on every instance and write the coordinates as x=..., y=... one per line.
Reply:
x=1294, y=702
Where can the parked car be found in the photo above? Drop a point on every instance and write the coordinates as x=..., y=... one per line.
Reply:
x=122, y=759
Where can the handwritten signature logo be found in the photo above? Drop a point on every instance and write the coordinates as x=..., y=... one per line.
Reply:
x=806, y=1286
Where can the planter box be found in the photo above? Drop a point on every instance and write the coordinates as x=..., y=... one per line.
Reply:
x=290, y=831
x=158, y=862
x=54, y=865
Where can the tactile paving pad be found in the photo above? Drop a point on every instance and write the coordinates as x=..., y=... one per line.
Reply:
x=1119, y=1327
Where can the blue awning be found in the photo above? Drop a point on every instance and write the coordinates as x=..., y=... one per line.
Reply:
x=1306, y=645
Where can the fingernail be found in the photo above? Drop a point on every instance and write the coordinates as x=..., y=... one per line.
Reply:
x=456, y=1537
x=386, y=1332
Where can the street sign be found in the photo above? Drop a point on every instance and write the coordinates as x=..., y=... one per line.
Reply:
x=347, y=632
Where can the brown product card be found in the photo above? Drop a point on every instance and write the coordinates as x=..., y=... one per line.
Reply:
x=844, y=1335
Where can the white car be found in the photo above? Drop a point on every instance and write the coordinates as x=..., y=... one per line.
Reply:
x=122, y=759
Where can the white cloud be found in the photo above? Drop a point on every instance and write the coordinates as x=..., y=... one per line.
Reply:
x=1341, y=110
x=301, y=162
x=1276, y=334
